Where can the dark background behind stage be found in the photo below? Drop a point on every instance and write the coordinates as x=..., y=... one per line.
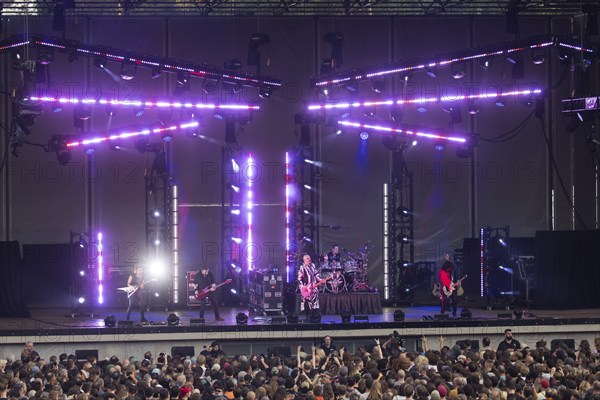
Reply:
x=42, y=201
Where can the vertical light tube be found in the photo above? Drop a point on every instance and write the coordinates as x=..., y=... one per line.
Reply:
x=175, y=241
x=250, y=175
x=386, y=243
x=100, y=266
x=287, y=215
x=481, y=261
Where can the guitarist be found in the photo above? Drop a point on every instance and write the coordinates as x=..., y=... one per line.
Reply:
x=309, y=275
x=445, y=278
x=204, y=279
x=136, y=282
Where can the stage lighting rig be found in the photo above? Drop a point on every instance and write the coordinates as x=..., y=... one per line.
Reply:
x=103, y=54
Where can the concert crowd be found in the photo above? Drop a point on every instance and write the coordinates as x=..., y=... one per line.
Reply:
x=381, y=369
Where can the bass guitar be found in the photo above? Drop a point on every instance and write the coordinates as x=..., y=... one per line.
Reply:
x=202, y=293
x=131, y=290
x=306, y=290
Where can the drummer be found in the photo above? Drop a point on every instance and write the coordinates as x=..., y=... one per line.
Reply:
x=334, y=258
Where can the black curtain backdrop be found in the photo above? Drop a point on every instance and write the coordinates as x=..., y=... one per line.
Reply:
x=567, y=265
x=11, y=282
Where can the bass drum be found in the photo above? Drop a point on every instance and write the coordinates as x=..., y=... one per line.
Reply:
x=336, y=284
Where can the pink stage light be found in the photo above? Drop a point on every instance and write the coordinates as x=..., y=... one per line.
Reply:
x=100, y=266
x=390, y=129
x=125, y=135
x=288, y=182
x=398, y=102
x=146, y=103
x=250, y=176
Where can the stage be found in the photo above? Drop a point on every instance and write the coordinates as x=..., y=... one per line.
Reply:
x=54, y=331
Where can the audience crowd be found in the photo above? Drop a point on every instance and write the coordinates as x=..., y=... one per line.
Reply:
x=382, y=369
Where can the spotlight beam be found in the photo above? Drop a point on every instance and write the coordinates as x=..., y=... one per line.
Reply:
x=518, y=46
x=409, y=132
x=422, y=100
x=142, y=60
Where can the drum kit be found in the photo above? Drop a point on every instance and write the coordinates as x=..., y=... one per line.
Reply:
x=349, y=274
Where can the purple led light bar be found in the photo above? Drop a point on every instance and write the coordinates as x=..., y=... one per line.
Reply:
x=250, y=176
x=125, y=135
x=446, y=60
x=288, y=182
x=390, y=129
x=100, y=267
x=150, y=61
x=145, y=103
x=377, y=103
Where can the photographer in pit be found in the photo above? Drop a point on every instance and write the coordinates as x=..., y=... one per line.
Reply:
x=394, y=345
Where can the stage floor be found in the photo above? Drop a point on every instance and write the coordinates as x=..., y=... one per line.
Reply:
x=56, y=320
x=54, y=331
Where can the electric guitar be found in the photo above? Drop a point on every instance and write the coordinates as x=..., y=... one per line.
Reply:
x=306, y=290
x=459, y=292
x=202, y=293
x=131, y=290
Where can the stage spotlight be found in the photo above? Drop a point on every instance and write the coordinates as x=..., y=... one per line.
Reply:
x=401, y=211
x=422, y=108
x=241, y=319
x=155, y=73
x=458, y=71
x=82, y=242
x=398, y=315
x=292, y=318
x=81, y=300
x=110, y=321
x=83, y=112
x=346, y=316
x=167, y=136
x=473, y=107
x=574, y=123
x=265, y=92
x=500, y=102
x=414, y=143
x=352, y=86
x=538, y=57
x=100, y=62
x=89, y=150
x=378, y=86
x=172, y=320
x=439, y=146
x=364, y=135
x=465, y=313
x=63, y=155
x=209, y=86
x=518, y=313
x=486, y=63
x=183, y=78
x=111, y=110
x=82, y=273
x=396, y=114
x=57, y=108
x=128, y=70
x=432, y=72
x=314, y=316
x=402, y=238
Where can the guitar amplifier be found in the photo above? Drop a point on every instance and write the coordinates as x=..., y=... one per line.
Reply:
x=266, y=292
